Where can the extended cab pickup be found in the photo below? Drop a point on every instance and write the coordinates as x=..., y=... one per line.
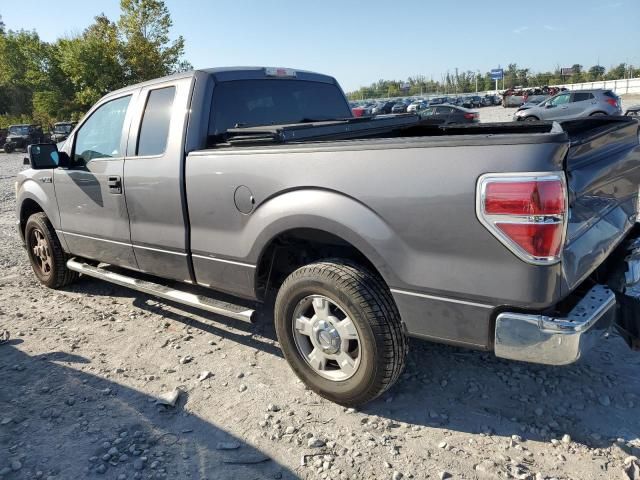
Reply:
x=515, y=238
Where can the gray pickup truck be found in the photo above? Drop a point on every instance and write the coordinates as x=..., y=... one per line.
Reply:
x=258, y=183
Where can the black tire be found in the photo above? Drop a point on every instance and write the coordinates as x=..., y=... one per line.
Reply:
x=531, y=118
x=53, y=272
x=597, y=114
x=367, y=301
x=8, y=148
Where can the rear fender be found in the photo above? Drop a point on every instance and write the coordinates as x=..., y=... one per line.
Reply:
x=333, y=213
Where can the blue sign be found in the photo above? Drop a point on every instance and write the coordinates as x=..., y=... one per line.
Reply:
x=497, y=74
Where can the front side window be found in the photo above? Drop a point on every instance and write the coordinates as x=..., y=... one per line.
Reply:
x=101, y=134
x=154, y=129
x=560, y=99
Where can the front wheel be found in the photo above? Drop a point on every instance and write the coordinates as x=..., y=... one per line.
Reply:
x=530, y=118
x=8, y=148
x=340, y=330
x=48, y=260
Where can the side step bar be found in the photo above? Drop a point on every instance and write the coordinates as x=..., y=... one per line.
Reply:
x=219, y=307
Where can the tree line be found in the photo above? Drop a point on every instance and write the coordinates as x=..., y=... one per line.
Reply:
x=468, y=81
x=45, y=82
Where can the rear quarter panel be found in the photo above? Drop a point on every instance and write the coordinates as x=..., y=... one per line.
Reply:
x=408, y=205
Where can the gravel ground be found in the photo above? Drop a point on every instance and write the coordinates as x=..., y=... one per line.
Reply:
x=501, y=114
x=81, y=377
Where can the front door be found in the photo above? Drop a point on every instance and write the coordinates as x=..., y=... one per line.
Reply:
x=93, y=213
x=556, y=107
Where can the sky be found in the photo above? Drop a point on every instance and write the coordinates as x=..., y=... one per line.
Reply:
x=362, y=41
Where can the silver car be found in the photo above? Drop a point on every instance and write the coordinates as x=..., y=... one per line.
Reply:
x=573, y=104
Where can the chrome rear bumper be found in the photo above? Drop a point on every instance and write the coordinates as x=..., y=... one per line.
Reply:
x=556, y=341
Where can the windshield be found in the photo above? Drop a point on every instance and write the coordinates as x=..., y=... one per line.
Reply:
x=248, y=103
x=19, y=130
x=61, y=128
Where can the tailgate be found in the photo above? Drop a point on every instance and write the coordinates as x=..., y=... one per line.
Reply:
x=603, y=175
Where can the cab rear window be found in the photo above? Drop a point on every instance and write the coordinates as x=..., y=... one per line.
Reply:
x=250, y=103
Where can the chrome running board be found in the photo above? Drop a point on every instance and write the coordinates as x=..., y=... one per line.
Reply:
x=219, y=307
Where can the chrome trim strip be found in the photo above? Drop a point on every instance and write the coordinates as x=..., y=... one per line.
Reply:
x=232, y=262
x=93, y=238
x=237, y=312
x=182, y=254
x=442, y=299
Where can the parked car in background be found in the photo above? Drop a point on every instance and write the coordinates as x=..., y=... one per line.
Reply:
x=531, y=103
x=437, y=101
x=472, y=101
x=61, y=131
x=382, y=108
x=573, y=104
x=633, y=111
x=417, y=106
x=399, y=107
x=447, y=114
x=497, y=99
x=20, y=136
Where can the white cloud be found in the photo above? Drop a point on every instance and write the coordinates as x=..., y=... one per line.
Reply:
x=520, y=29
x=551, y=28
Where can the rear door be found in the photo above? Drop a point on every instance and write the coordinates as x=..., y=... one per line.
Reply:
x=90, y=193
x=154, y=179
x=580, y=103
x=443, y=113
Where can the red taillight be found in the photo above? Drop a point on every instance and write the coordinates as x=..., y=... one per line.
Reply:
x=539, y=240
x=524, y=198
x=612, y=101
x=526, y=213
x=470, y=116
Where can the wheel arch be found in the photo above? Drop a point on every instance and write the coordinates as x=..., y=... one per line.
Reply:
x=32, y=199
x=306, y=225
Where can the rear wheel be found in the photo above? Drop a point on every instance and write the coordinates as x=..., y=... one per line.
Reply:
x=48, y=260
x=340, y=331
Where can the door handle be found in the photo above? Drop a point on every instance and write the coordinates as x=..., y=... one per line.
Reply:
x=114, y=183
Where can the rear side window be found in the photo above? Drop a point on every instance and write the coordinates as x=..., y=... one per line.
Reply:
x=610, y=94
x=582, y=96
x=154, y=129
x=248, y=103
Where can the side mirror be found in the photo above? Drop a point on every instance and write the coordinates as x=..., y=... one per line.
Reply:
x=43, y=156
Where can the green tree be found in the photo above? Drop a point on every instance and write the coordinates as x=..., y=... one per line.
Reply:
x=147, y=51
x=620, y=71
x=596, y=73
x=93, y=62
x=24, y=61
x=1, y=26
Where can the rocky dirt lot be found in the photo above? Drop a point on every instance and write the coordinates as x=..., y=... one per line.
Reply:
x=82, y=377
